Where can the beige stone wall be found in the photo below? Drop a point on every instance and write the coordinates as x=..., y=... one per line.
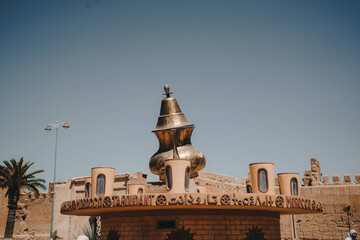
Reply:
x=3, y=212
x=219, y=183
x=33, y=217
x=332, y=223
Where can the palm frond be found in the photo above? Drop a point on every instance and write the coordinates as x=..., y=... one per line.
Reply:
x=31, y=175
x=14, y=176
x=89, y=232
x=38, y=180
x=7, y=164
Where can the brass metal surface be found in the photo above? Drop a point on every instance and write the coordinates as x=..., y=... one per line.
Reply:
x=175, y=151
x=171, y=116
x=174, y=134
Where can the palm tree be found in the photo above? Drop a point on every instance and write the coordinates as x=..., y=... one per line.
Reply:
x=14, y=177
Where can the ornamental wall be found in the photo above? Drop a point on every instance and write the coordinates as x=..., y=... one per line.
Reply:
x=217, y=225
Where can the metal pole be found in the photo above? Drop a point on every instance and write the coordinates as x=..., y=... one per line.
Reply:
x=293, y=223
x=53, y=195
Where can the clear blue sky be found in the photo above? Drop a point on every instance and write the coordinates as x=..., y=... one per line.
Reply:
x=270, y=81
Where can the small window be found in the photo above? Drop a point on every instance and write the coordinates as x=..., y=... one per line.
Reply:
x=166, y=224
x=248, y=189
x=294, y=187
x=88, y=190
x=168, y=178
x=140, y=191
x=263, y=183
x=100, y=185
x=187, y=174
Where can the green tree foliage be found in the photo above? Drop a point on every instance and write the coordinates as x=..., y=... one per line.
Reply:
x=14, y=176
x=89, y=231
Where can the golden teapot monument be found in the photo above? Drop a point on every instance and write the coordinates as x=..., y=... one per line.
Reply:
x=174, y=134
x=178, y=210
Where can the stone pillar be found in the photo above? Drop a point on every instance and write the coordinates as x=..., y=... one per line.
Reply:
x=289, y=184
x=104, y=176
x=315, y=176
x=262, y=171
x=177, y=175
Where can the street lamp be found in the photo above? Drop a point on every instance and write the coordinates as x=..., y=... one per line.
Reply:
x=48, y=128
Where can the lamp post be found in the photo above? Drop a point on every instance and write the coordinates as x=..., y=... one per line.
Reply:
x=48, y=128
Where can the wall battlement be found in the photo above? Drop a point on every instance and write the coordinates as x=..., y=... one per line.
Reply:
x=336, y=180
x=314, y=177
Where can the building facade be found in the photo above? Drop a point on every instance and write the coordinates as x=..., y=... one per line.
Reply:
x=33, y=215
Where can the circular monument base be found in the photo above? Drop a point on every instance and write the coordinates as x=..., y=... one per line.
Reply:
x=191, y=215
x=191, y=224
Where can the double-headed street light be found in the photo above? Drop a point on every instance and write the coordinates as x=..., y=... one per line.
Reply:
x=48, y=128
